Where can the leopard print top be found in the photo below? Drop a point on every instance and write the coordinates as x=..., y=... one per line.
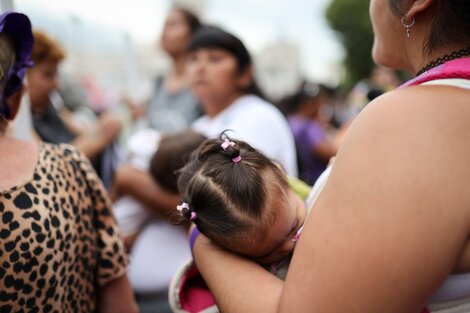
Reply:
x=58, y=238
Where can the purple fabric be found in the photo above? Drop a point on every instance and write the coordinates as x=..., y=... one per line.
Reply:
x=307, y=135
x=18, y=28
x=192, y=238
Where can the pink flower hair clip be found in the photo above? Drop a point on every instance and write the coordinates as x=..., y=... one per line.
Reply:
x=227, y=143
x=182, y=206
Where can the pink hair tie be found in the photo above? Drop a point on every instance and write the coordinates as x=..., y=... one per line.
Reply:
x=183, y=205
x=237, y=159
x=193, y=216
x=227, y=143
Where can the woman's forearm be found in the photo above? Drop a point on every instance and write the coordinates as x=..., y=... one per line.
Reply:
x=90, y=144
x=141, y=186
x=238, y=284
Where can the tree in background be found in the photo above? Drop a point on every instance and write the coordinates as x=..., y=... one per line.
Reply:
x=350, y=19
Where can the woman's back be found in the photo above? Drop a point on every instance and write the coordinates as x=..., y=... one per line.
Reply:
x=59, y=242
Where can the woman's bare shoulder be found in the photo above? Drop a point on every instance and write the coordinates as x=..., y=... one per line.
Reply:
x=429, y=101
x=396, y=191
x=420, y=129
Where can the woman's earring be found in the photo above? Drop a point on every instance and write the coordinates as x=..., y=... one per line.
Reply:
x=407, y=26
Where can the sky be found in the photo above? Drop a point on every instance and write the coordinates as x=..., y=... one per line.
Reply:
x=257, y=22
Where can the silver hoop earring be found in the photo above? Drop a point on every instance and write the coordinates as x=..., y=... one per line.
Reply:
x=407, y=26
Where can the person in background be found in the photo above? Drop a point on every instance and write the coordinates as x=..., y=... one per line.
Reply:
x=173, y=107
x=315, y=145
x=222, y=78
x=171, y=155
x=60, y=250
x=55, y=124
x=380, y=80
x=171, y=110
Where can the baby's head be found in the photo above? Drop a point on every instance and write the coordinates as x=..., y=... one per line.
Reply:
x=173, y=152
x=240, y=200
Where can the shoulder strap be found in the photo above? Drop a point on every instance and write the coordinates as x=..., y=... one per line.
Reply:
x=456, y=82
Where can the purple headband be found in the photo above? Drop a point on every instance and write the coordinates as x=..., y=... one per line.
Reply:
x=18, y=29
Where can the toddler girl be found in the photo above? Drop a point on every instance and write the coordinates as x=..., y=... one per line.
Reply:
x=241, y=200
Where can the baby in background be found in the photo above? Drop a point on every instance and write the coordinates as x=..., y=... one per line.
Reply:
x=161, y=156
x=241, y=200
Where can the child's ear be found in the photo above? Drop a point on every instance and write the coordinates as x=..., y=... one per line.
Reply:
x=14, y=102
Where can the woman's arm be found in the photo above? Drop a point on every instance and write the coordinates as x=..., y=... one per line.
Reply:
x=237, y=284
x=95, y=139
x=389, y=226
x=117, y=297
x=326, y=149
x=141, y=186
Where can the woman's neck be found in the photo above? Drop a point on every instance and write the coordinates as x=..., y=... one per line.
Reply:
x=179, y=65
x=422, y=60
x=214, y=107
x=17, y=161
x=176, y=79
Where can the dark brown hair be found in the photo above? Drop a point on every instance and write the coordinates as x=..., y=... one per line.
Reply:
x=306, y=92
x=7, y=58
x=230, y=198
x=173, y=152
x=450, y=24
x=46, y=49
x=191, y=19
x=211, y=37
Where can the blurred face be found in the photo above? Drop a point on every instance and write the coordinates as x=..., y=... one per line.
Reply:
x=284, y=232
x=389, y=35
x=42, y=80
x=310, y=108
x=176, y=34
x=214, y=76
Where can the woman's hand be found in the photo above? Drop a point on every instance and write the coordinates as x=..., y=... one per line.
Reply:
x=237, y=284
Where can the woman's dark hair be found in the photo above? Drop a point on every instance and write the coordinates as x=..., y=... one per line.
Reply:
x=191, y=19
x=450, y=24
x=7, y=58
x=172, y=154
x=211, y=37
x=306, y=91
x=230, y=198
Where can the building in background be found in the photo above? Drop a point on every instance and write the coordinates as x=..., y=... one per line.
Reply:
x=278, y=69
x=102, y=59
x=196, y=6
